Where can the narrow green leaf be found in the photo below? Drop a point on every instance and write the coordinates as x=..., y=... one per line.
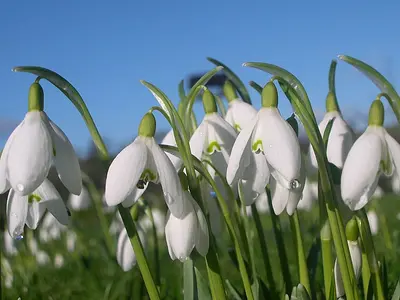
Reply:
x=181, y=91
x=73, y=95
x=203, y=291
x=312, y=258
x=188, y=280
x=378, y=79
x=255, y=288
x=396, y=294
x=332, y=73
x=256, y=86
x=234, y=292
x=221, y=105
x=241, y=88
x=327, y=132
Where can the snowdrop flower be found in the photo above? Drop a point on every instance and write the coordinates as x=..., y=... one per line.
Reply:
x=395, y=183
x=310, y=195
x=355, y=255
x=42, y=258
x=373, y=221
x=341, y=137
x=374, y=153
x=71, y=240
x=80, y=202
x=58, y=261
x=31, y=149
x=189, y=231
x=139, y=163
x=239, y=113
x=125, y=255
x=9, y=246
x=267, y=145
x=29, y=209
x=213, y=139
x=169, y=140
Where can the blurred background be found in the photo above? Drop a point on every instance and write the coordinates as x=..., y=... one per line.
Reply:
x=104, y=48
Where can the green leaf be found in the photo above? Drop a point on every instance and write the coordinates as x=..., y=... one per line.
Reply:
x=384, y=276
x=181, y=91
x=396, y=294
x=221, y=105
x=312, y=258
x=203, y=291
x=327, y=132
x=332, y=73
x=241, y=88
x=234, y=292
x=287, y=76
x=188, y=280
x=378, y=79
x=256, y=86
x=255, y=288
x=73, y=95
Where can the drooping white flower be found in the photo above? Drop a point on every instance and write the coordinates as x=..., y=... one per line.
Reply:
x=139, y=163
x=355, y=255
x=267, y=145
x=309, y=196
x=373, y=221
x=29, y=209
x=340, y=141
x=80, y=202
x=32, y=148
x=374, y=153
x=189, y=231
x=125, y=255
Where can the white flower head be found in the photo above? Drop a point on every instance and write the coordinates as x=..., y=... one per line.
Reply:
x=32, y=148
x=29, y=209
x=374, y=153
x=185, y=233
x=141, y=162
x=125, y=255
x=267, y=146
x=309, y=195
x=80, y=202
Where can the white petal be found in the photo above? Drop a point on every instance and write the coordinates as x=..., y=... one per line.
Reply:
x=53, y=201
x=169, y=139
x=125, y=171
x=262, y=203
x=80, y=202
x=169, y=180
x=280, y=145
x=17, y=210
x=355, y=254
x=66, y=160
x=239, y=114
x=198, y=140
x=225, y=134
x=309, y=196
x=36, y=211
x=240, y=154
x=373, y=222
x=202, y=240
x=360, y=171
x=4, y=183
x=181, y=233
x=394, y=149
x=30, y=155
x=280, y=196
x=338, y=281
x=125, y=256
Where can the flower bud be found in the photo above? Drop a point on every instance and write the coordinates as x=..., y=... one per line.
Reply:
x=35, y=97
x=269, y=95
x=229, y=91
x=209, y=102
x=147, y=127
x=352, y=232
x=331, y=103
x=376, y=113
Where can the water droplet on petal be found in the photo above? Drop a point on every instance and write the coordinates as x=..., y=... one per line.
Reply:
x=168, y=199
x=19, y=237
x=295, y=184
x=13, y=214
x=20, y=187
x=255, y=195
x=182, y=258
x=18, y=233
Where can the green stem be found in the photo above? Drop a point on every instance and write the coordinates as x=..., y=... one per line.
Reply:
x=264, y=251
x=281, y=246
x=138, y=249
x=241, y=224
x=96, y=197
x=327, y=257
x=369, y=248
x=249, y=241
x=365, y=272
x=301, y=257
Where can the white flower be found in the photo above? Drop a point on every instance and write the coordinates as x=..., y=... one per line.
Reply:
x=373, y=222
x=341, y=138
x=310, y=195
x=375, y=152
x=169, y=140
x=267, y=145
x=42, y=258
x=80, y=202
x=355, y=255
x=29, y=209
x=239, y=113
x=185, y=233
x=58, y=261
x=134, y=167
x=29, y=152
x=125, y=255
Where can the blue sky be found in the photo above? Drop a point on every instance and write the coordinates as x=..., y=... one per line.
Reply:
x=104, y=48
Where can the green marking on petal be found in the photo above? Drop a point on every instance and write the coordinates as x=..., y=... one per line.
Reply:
x=34, y=197
x=146, y=176
x=257, y=147
x=54, y=151
x=237, y=127
x=212, y=147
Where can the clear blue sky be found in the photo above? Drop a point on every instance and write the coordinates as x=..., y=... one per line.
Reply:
x=105, y=47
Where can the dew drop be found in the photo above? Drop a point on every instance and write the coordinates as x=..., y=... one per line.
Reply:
x=183, y=258
x=20, y=187
x=19, y=237
x=168, y=199
x=17, y=233
x=295, y=184
x=13, y=214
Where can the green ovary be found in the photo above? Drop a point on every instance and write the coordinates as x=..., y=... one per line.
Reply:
x=34, y=197
x=147, y=176
x=257, y=147
x=212, y=147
